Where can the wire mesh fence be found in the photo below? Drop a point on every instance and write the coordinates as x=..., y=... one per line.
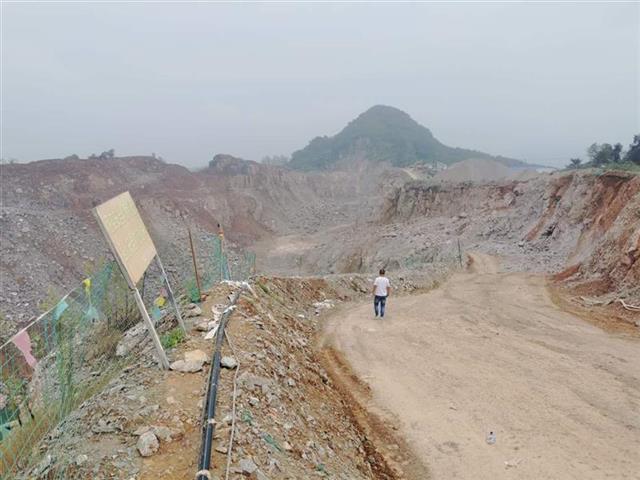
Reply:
x=69, y=353
x=215, y=264
x=56, y=362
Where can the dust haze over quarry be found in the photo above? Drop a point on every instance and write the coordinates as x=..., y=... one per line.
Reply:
x=413, y=143
x=511, y=80
x=501, y=275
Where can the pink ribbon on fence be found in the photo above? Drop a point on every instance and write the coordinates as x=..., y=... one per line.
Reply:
x=23, y=342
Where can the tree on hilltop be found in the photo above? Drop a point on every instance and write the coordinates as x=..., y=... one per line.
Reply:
x=600, y=154
x=575, y=163
x=111, y=153
x=633, y=154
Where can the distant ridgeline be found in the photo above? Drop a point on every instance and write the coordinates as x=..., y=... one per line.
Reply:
x=384, y=134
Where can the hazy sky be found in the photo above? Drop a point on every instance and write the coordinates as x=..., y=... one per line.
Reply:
x=533, y=81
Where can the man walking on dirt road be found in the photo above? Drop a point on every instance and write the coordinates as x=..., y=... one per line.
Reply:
x=381, y=290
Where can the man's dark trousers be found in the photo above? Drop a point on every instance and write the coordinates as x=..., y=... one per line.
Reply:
x=378, y=304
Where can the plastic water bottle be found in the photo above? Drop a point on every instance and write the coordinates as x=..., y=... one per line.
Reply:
x=491, y=438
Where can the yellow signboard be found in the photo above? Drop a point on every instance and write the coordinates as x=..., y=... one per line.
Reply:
x=127, y=236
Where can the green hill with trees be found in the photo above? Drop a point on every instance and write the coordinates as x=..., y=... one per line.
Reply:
x=384, y=134
x=609, y=156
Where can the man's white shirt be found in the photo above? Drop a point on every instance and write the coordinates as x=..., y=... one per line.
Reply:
x=382, y=285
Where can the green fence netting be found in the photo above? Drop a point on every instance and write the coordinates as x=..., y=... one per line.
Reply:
x=48, y=368
x=68, y=354
x=215, y=264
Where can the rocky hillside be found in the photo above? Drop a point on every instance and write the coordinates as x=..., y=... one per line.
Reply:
x=383, y=134
x=287, y=201
x=50, y=240
x=583, y=226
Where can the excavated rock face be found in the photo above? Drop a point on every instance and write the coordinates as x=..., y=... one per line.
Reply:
x=223, y=164
x=339, y=221
x=49, y=238
x=607, y=251
x=585, y=225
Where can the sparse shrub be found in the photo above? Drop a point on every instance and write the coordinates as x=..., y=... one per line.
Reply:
x=633, y=154
x=172, y=338
x=575, y=163
x=38, y=346
x=600, y=154
x=105, y=344
x=264, y=288
x=111, y=153
x=191, y=287
x=50, y=300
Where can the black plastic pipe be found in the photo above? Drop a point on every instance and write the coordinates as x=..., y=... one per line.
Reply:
x=208, y=424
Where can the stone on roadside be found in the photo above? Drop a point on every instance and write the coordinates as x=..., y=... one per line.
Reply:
x=148, y=444
x=186, y=367
x=228, y=362
x=141, y=430
x=217, y=310
x=248, y=466
x=162, y=432
x=203, y=326
x=196, y=311
x=211, y=333
x=250, y=381
x=221, y=449
x=196, y=356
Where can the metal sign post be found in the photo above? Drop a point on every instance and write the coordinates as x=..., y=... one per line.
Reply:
x=129, y=240
x=171, y=295
x=162, y=356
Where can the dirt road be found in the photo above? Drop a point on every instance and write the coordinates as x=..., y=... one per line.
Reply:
x=489, y=351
